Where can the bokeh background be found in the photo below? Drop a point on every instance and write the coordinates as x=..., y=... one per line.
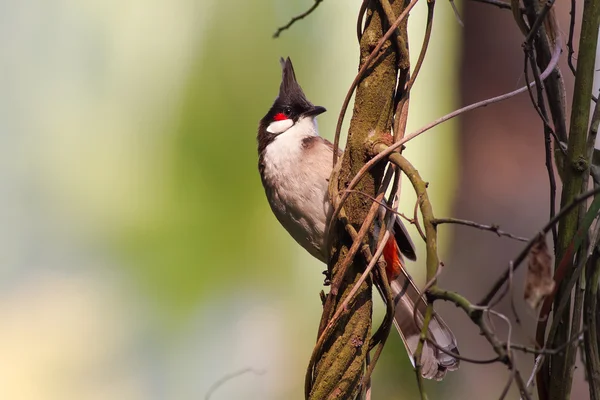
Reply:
x=138, y=256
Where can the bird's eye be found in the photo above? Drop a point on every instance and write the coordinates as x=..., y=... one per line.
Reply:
x=287, y=111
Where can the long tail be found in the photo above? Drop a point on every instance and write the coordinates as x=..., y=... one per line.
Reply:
x=434, y=363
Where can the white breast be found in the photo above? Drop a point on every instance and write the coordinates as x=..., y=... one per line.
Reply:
x=296, y=180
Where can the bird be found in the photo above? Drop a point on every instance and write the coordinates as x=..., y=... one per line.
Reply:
x=295, y=165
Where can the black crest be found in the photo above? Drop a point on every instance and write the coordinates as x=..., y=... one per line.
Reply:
x=290, y=92
x=291, y=103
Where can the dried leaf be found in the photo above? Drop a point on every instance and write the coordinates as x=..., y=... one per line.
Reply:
x=539, y=273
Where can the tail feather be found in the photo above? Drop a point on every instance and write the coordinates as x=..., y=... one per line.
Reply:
x=434, y=363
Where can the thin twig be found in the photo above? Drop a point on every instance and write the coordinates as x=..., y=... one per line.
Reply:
x=511, y=379
x=539, y=360
x=544, y=351
x=424, y=46
x=400, y=44
x=492, y=228
x=456, y=13
x=297, y=18
x=401, y=95
x=540, y=104
x=570, y=40
x=359, y=20
x=228, y=377
x=416, y=221
x=509, y=334
x=462, y=357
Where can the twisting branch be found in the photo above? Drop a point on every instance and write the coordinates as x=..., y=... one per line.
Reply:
x=296, y=18
x=372, y=55
x=397, y=145
x=336, y=369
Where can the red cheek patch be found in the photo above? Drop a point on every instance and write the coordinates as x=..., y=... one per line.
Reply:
x=279, y=117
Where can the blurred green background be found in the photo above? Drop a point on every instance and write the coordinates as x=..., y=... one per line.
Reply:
x=140, y=259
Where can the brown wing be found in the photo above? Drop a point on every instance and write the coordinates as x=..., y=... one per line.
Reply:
x=330, y=145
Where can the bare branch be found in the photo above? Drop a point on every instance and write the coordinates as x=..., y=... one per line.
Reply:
x=531, y=350
x=296, y=18
x=492, y=228
x=570, y=40
x=229, y=377
x=424, y=46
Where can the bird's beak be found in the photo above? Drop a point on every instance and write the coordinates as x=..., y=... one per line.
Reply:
x=316, y=110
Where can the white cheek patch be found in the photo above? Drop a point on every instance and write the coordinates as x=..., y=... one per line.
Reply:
x=280, y=126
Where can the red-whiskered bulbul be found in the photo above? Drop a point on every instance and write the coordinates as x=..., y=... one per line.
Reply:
x=295, y=164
